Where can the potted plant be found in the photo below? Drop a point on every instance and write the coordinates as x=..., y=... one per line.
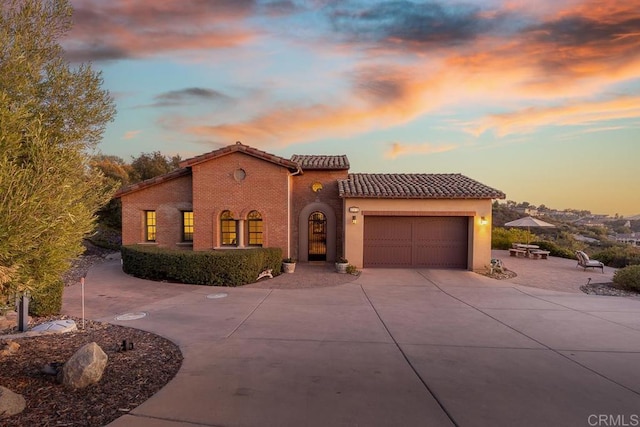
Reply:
x=288, y=265
x=352, y=269
x=341, y=265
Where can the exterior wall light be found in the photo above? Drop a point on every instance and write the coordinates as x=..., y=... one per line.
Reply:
x=354, y=209
x=354, y=220
x=483, y=220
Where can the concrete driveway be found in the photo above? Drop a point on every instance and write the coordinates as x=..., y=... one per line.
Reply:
x=392, y=348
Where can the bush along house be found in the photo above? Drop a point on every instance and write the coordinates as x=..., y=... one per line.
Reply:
x=312, y=208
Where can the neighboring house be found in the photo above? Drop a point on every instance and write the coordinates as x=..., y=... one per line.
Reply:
x=632, y=239
x=528, y=211
x=312, y=208
x=585, y=239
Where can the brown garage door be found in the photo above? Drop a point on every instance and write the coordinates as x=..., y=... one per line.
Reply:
x=397, y=241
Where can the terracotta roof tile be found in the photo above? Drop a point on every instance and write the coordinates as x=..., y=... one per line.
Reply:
x=321, y=162
x=415, y=186
x=152, y=181
x=239, y=147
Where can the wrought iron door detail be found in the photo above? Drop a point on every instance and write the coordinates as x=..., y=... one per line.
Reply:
x=317, y=237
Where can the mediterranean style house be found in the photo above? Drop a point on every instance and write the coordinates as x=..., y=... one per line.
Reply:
x=312, y=208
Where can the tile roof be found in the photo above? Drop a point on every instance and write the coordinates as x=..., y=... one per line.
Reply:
x=309, y=162
x=152, y=181
x=239, y=147
x=415, y=186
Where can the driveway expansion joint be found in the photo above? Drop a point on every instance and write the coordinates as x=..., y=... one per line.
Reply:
x=556, y=351
x=406, y=358
x=250, y=314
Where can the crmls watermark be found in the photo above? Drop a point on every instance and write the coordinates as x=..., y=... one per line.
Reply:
x=610, y=420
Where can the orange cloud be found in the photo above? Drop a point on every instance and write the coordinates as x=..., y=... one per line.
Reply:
x=388, y=98
x=399, y=149
x=574, y=50
x=573, y=114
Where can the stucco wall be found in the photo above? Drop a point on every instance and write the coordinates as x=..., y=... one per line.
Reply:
x=479, y=235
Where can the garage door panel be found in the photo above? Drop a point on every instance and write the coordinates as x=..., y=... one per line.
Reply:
x=387, y=229
x=441, y=242
x=434, y=242
x=387, y=241
x=441, y=256
x=398, y=256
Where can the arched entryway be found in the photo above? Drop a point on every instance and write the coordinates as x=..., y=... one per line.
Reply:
x=317, y=233
x=317, y=230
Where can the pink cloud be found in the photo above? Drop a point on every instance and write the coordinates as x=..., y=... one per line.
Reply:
x=131, y=134
x=572, y=49
x=135, y=28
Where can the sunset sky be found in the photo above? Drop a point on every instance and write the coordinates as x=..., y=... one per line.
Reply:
x=540, y=99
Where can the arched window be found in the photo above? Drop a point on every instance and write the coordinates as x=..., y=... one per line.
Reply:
x=228, y=229
x=254, y=228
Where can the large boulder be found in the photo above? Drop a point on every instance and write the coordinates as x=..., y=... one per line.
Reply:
x=85, y=367
x=10, y=403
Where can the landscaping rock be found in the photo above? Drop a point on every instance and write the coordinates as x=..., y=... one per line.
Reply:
x=85, y=367
x=59, y=326
x=8, y=348
x=10, y=403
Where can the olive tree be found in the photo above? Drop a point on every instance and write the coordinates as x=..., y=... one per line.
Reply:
x=52, y=116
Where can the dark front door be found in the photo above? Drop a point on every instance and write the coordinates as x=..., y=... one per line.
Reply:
x=317, y=237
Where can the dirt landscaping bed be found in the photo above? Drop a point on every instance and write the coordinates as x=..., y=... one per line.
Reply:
x=130, y=378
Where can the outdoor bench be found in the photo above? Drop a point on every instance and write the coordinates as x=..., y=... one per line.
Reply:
x=539, y=254
x=517, y=252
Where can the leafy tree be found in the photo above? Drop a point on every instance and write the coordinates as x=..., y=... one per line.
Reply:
x=113, y=167
x=149, y=165
x=52, y=116
x=118, y=172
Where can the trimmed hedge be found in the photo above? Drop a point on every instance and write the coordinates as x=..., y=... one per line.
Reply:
x=227, y=267
x=628, y=277
x=47, y=300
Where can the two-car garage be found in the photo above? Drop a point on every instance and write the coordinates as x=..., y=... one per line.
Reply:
x=416, y=241
x=417, y=220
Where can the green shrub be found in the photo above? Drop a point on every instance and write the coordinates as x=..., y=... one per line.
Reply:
x=503, y=238
x=619, y=256
x=555, y=250
x=628, y=277
x=218, y=268
x=106, y=237
x=46, y=300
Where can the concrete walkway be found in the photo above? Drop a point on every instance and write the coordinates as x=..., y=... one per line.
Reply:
x=392, y=348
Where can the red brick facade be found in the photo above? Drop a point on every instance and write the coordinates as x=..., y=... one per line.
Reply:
x=168, y=199
x=240, y=183
x=240, y=180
